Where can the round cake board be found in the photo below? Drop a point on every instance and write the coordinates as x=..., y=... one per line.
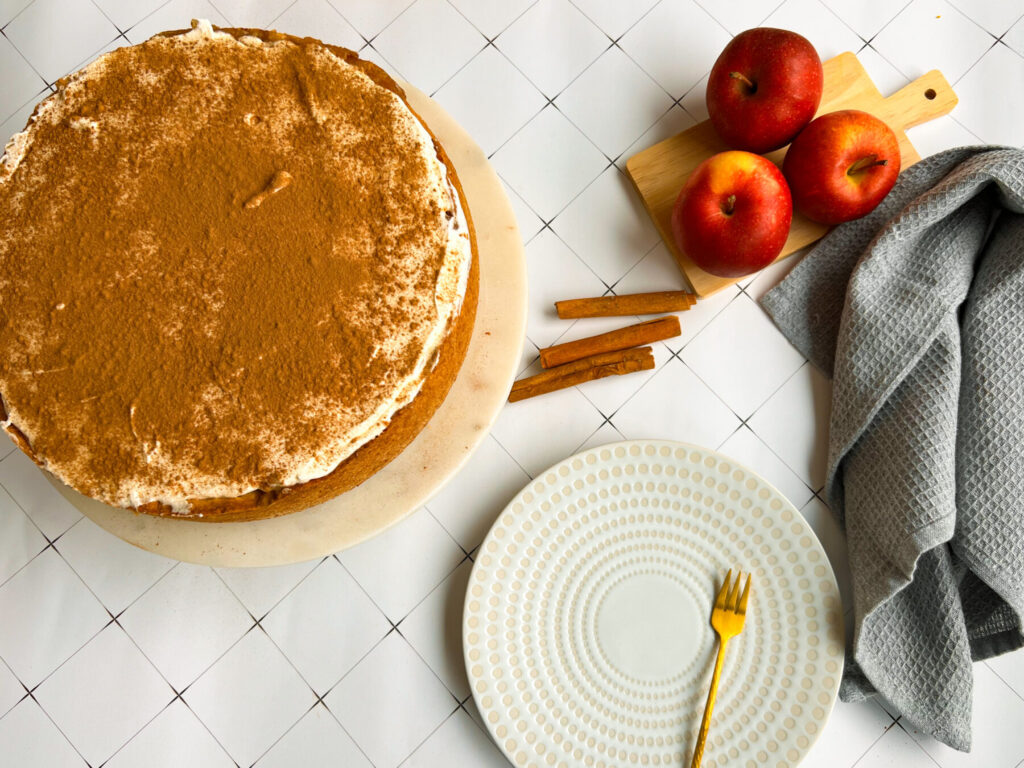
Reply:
x=434, y=456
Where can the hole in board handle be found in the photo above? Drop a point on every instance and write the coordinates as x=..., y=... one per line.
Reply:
x=930, y=94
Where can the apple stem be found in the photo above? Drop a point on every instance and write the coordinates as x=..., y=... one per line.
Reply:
x=730, y=203
x=865, y=162
x=745, y=80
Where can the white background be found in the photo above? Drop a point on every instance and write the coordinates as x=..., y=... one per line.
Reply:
x=112, y=656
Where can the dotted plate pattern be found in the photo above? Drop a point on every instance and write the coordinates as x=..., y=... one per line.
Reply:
x=586, y=629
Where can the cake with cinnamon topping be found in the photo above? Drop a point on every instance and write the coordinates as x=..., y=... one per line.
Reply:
x=237, y=275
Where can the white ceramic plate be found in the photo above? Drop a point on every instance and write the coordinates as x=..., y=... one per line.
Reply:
x=586, y=629
x=437, y=453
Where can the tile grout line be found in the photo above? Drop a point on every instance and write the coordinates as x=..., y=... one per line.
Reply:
x=55, y=725
x=258, y=619
x=502, y=30
x=675, y=355
x=405, y=759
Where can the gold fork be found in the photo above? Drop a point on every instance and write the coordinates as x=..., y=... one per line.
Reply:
x=727, y=619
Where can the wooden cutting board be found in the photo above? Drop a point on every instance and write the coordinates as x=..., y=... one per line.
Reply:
x=660, y=171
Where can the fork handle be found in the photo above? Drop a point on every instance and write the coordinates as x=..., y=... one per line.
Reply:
x=705, y=724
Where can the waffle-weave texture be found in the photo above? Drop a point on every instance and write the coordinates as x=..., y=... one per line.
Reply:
x=917, y=313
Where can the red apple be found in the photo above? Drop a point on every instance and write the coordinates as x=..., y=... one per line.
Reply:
x=841, y=166
x=764, y=87
x=732, y=216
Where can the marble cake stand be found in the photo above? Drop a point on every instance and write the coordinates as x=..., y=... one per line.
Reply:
x=437, y=453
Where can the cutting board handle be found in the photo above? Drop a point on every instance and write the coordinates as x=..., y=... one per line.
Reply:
x=924, y=99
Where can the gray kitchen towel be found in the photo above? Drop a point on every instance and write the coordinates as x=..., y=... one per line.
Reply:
x=917, y=313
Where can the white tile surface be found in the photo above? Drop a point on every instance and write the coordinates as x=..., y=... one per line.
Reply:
x=982, y=110
x=19, y=83
x=612, y=16
x=492, y=16
x=104, y=694
x=185, y=622
x=397, y=701
x=326, y=625
x=117, y=572
x=748, y=449
x=942, y=133
x=434, y=630
x=554, y=272
x=28, y=737
x=392, y=679
x=260, y=589
x=251, y=13
x=370, y=16
x=827, y=33
x=34, y=494
x=552, y=43
x=895, y=750
x=319, y=19
x=1010, y=669
x=490, y=98
x=1015, y=37
x=42, y=596
x=794, y=424
x=452, y=42
x=995, y=16
x=564, y=418
x=674, y=120
x=739, y=15
x=54, y=36
x=527, y=219
x=11, y=689
x=549, y=162
x=676, y=405
x=22, y=540
x=759, y=360
x=694, y=101
x=932, y=34
x=590, y=102
x=607, y=226
x=466, y=507
x=11, y=8
x=176, y=14
x=316, y=740
x=856, y=727
x=172, y=739
x=676, y=44
x=867, y=17
x=127, y=13
x=459, y=741
x=250, y=697
x=400, y=566
x=603, y=435
x=883, y=74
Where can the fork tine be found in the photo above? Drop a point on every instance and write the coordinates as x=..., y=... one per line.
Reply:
x=723, y=592
x=743, y=598
x=734, y=593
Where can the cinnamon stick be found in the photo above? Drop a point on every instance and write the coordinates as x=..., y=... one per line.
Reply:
x=580, y=371
x=623, y=338
x=629, y=304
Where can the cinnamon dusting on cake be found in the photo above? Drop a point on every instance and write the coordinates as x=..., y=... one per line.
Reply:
x=209, y=340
